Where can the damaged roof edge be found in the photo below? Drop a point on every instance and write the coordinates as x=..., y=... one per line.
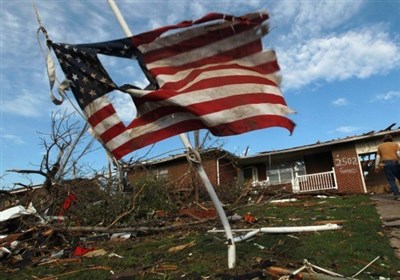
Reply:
x=182, y=155
x=371, y=134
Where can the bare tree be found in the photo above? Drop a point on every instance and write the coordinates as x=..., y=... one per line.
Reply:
x=60, y=156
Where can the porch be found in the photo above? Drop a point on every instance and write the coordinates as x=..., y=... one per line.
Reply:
x=307, y=183
x=315, y=182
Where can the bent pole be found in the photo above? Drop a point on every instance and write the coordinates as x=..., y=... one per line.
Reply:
x=198, y=166
x=216, y=202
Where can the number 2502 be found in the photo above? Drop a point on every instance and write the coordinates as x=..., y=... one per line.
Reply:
x=345, y=161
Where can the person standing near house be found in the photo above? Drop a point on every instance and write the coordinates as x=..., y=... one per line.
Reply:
x=388, y=157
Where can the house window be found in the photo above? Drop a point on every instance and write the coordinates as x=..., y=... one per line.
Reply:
x=284, y=173
x=250, y=173
x=162, y=174
x=367, y=162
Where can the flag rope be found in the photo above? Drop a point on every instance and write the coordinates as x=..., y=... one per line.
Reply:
x=64, y=85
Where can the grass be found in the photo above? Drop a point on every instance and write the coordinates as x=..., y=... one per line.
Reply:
x=343, y=251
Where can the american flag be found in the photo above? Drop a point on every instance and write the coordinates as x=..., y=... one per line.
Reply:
x=209, y=74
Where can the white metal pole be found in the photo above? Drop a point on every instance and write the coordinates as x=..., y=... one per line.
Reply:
x=120, y=18
x=199, y=167
x=217, y=204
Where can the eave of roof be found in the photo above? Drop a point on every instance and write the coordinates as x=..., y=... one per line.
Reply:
x=180, y=156
x=25, y=189
x=321, y=145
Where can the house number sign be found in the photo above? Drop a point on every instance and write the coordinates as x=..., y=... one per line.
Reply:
x=346, y=165
x=346, y=161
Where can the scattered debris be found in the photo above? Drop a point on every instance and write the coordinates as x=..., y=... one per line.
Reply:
x=95, y=253
x=246, y=236
x=182, y=247
x=369, y=264
x=17, y=211
x=115, y=255
x=307, y=272
x=121, y=236
x=249, y=218
x=283, y=200
x=75, y=272
x=28, y=241
x=259, y=246
x=235, y=217
x=286, y=274
x=81, y=251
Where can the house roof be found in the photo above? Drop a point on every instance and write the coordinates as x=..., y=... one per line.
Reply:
x=294, y=152
x=319, y=146
x=182, y=156
x=22, y=190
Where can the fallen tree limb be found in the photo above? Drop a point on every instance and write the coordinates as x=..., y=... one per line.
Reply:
x=129, y=229
x=274, y=271
x=281, y=196
x=244, y=193
x=75, y=271
x=392, y=271
x=130, y=210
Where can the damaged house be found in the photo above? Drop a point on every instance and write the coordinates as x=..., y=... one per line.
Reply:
x=342, y=165
x=345, y=165
x=220, y=166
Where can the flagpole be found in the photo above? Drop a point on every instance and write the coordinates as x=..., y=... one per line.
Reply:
x=196, y=163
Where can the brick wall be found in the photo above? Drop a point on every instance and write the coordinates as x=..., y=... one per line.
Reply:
x=228, y=173
x=210, y=166
x=317, y=163
x=180, y=174
x=347, y=169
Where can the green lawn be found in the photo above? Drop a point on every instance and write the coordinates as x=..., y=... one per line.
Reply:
x=344, y=251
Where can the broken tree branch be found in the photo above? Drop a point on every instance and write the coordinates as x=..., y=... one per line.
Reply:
x=130, y=229
x=27, y=171
x=130, y=210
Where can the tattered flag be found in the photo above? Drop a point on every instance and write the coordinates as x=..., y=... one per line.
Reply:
x=211, y=74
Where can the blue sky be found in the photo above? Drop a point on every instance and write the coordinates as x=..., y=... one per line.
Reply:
x=340, y=63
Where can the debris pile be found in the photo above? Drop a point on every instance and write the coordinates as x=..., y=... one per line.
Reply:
x=32, y=238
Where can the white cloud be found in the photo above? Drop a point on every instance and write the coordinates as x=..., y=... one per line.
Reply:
x=354, y=54
x=197, y=9
x=390, y=96
x=124, y=106
x=309, y=18
x=13, y=138
x=346, y=129
x=25, y=104
x=340, y=102
x=10, y=21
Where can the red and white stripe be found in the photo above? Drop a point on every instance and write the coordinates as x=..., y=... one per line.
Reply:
x=217, y=78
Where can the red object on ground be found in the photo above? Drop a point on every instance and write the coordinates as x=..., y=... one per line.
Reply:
x=66, y=205
x=80, y=251
x=249, y=218
x=68, y=201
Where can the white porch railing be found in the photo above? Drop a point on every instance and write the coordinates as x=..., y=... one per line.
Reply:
x=263, y=184
x=314, y=182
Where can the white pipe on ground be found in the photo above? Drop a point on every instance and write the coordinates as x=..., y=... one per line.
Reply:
x=252, y=232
